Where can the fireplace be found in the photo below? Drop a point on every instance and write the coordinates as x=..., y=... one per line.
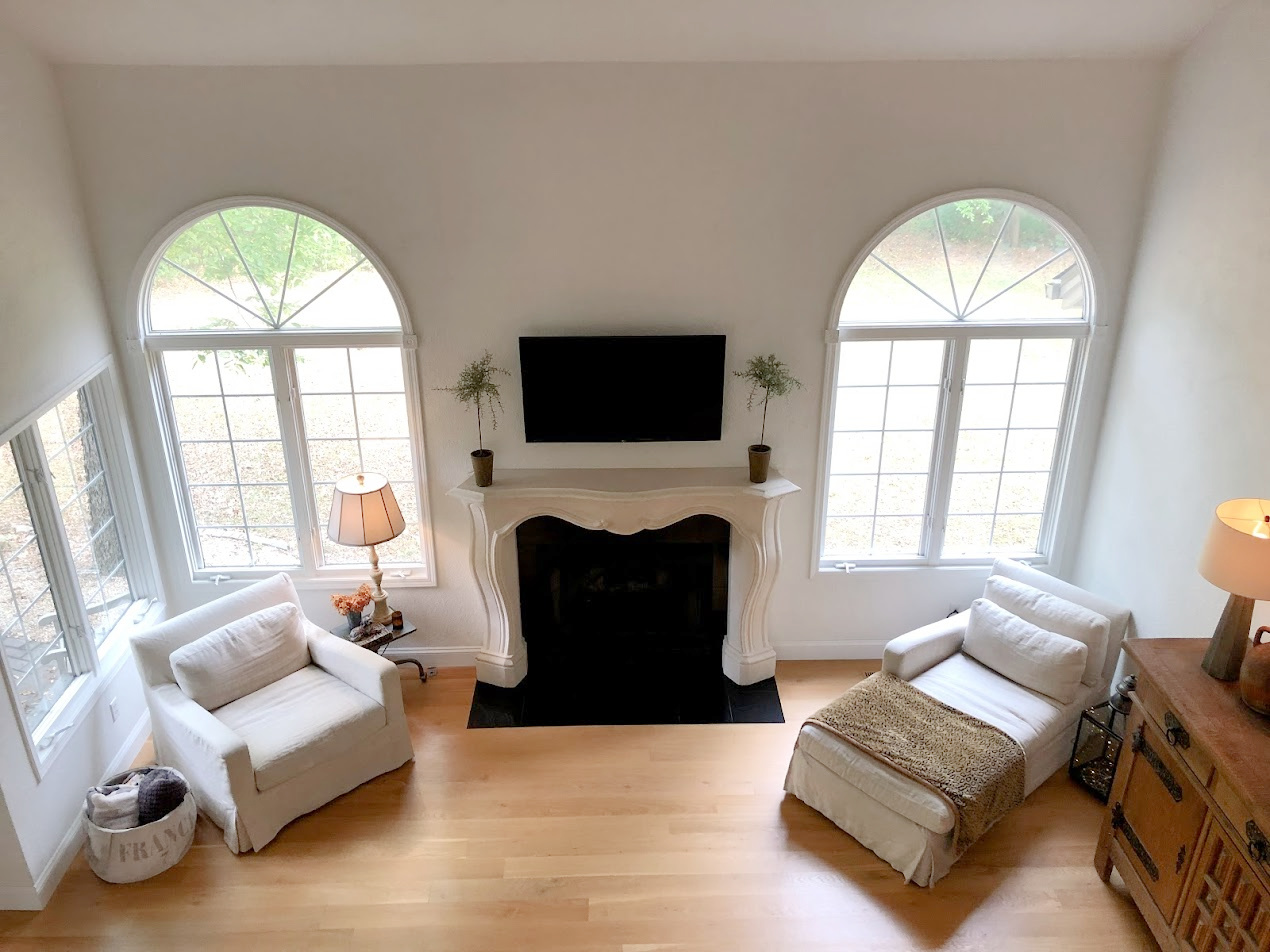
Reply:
x=648, y=610
x=626, y=502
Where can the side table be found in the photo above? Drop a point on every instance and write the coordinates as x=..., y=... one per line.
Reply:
x=379, y=643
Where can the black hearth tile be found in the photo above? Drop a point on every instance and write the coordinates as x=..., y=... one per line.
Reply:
x=688, y=698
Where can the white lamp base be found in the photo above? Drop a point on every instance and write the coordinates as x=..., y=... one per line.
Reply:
x=382, y=614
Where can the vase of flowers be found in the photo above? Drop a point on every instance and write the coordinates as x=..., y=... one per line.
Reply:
x=478, y=387
x=774, y=379
x=352, y=605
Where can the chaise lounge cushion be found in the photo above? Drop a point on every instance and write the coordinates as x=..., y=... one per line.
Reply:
x=1028, y=655
x=242, y=656
x=1057, y=615
x=299, y=722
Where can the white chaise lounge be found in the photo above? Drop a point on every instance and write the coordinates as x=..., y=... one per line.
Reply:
x=904, y=822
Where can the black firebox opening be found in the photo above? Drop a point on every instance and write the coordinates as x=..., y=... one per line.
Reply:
x=623, y=629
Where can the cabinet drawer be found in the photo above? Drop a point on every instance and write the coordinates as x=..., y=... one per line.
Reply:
x=1158, y=816
x=1175, y=732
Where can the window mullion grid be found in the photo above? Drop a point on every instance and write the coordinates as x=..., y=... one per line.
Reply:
x=117, y=463
x=954, y=385
x=1062, y=446
x=877, y=473
x=295, y=455
x=175, y=456
x=53, y=545
x=1005, y=447
x=233, y=457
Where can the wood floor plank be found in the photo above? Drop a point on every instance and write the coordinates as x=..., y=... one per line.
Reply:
x=604, y=839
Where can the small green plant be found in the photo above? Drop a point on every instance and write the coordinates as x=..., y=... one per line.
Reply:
x=477, y=387
x=773, y=378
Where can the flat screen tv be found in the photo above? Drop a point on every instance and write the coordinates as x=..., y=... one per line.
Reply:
x=622, y=389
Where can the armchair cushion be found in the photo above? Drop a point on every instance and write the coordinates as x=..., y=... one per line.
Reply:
x=1057, y=615
x=300, y=721
x=242, y=657
x=1033, y=657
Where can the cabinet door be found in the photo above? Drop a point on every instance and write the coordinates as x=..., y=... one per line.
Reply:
x=1158, y=817
x=1226, y=909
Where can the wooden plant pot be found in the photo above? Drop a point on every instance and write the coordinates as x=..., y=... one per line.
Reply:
x=760, y=459
x=483, y=467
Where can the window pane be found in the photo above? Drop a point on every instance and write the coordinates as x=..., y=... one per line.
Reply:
x=885, y=414
x=231, y=449
x=260, y=268
x=1005, y=446
x=31, y=633
x=976, y=259
x=355, y=419
x=69, y=435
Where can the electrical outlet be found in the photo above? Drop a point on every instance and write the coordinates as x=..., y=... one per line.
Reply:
x=432, y=672
x=114, y=709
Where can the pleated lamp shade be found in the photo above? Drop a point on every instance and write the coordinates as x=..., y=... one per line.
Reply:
x=1236, y=556
x=364, y=511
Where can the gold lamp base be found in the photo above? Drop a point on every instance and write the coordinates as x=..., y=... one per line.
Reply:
x=1230, y=639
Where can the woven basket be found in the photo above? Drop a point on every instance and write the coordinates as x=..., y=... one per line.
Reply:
x=128, y=856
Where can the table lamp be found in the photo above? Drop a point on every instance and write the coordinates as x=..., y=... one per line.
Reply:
x=364, y=511
x=1236, y=558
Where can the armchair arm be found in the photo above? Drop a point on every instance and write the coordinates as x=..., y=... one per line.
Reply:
x=360, y=669
x=921, y=649
x=210, y=754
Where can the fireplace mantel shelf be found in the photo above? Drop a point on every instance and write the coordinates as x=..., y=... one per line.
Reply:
x=626, y=501
x=621, y=482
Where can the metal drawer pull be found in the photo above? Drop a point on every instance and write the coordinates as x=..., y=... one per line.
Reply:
x=1118, y=822
x=1140, y=746
x=1174, y=732
x=1258, y=845
x=1181, y=859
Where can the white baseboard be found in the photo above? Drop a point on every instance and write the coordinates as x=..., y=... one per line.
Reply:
x=20, y=899
x=436, y=657
x=51, y=876
x=829, y=650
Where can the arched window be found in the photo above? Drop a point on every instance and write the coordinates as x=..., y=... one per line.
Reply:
x=960, y=338
x=282, y=361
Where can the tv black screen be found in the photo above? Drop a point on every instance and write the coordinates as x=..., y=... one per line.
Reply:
x=622, y=389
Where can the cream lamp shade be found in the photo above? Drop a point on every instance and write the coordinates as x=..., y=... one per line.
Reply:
x=364, y=511
x=1236, y=558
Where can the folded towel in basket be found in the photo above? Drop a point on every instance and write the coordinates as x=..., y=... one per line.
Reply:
x=113, y=807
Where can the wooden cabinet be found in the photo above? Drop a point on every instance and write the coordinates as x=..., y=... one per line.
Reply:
x=1188, y=805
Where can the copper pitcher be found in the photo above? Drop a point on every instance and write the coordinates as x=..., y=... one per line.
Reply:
x=1254, y=674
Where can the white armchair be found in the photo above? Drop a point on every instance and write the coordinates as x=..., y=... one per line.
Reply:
x=901, y=820
x=260, y=761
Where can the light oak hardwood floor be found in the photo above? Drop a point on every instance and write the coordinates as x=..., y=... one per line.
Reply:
x=629, y=839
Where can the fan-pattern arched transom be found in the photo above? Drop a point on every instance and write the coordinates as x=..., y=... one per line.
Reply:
x=960, y=343
x=257, y=268
x=986, y=260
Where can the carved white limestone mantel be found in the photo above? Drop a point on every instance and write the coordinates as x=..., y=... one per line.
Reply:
x=626, y=501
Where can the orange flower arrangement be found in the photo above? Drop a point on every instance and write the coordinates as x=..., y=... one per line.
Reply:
x=348, y=604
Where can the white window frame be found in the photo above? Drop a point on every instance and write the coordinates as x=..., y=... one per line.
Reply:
x=97, y=663
x=959, y=334
x=282, y=345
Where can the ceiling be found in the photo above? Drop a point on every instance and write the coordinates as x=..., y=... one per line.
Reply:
x=354, y=32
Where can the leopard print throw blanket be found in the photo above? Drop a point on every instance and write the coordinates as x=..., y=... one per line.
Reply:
x=973, y=766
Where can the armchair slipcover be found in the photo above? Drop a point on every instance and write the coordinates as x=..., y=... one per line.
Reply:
x=901, y=820
x=257, y=763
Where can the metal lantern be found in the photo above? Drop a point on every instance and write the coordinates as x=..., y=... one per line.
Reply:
x=1098, y=741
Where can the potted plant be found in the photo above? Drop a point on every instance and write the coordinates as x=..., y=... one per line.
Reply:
x=773, y=378
x=477, y=387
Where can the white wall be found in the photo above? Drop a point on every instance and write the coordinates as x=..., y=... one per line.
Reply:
x=1185, y=420
x=53, y=328
x=531, y=199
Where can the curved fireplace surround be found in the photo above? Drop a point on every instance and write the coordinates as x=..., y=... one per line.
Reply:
x=626, y=502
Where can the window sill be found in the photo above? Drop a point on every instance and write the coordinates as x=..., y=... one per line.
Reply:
x=959, y=565
x=234, y=579
x=54, y=733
